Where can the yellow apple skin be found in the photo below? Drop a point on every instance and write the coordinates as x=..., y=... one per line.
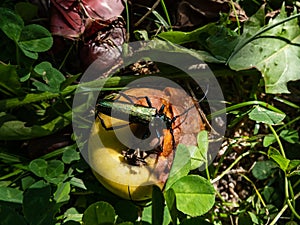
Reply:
x=115, y=174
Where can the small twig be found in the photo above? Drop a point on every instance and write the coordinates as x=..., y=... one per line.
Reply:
x=200, y=111
x=147, y=13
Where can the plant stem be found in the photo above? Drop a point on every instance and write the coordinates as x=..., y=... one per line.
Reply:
x=166, y=13
x=230, y=167
x=296, y=184
x=127, y=22
x=278, y=140
x=243, y=104
x=293, y=209
x=206, y=170
x=291, y=206
x=282, y=211
x=287, y=124
x=257, y=192
x=236, y=17
x=293, y=105
x=66, y=57
x=14, y=173
x=290, y=188
x=286, y=181
x=17, y=54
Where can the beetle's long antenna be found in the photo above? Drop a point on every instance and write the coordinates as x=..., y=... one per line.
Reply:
x=204, y=96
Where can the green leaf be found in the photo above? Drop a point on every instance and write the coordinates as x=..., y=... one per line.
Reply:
x=37, y=206
x=72, y=215
x=202, y=140
x=179, y=37
x=141, y=35
x=221, y=42
x=255, y=22
x=181, y=165
x=268, y=193
x=17, y=130
x=157, y=206
x=9, y=80
x=32, y=55
x=147, y=215
x=194, y=195
x=167, y=216
x=199, y=155
x=160, y=18
x=6, y=104
x=11, y=24
x=13, y=195
x=263, y=169
x=12, y=129
x=217, y=39
x=55, y=168
x=293, y=164
x=53, y=78
x=99, y=213
x=268, y=140
x=278, y=158
x=292, y=222
x=62, y=192
x=254, y=218
x=273, y=50
x=39, y=167
x=169, y=47
x=262, y=115
x=9, y=216
x=47, y=170
x=196, y=158
x=70, y=155
x=76, y=182
x=27, y=181
x=295, y=173
x=290, y=136
x=35, y=38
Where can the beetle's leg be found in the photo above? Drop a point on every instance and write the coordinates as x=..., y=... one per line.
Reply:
x=173, y=138
x=109, y=128
x=161, y=110
x=158, y=144
x=126, y=97
x=148, y=101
